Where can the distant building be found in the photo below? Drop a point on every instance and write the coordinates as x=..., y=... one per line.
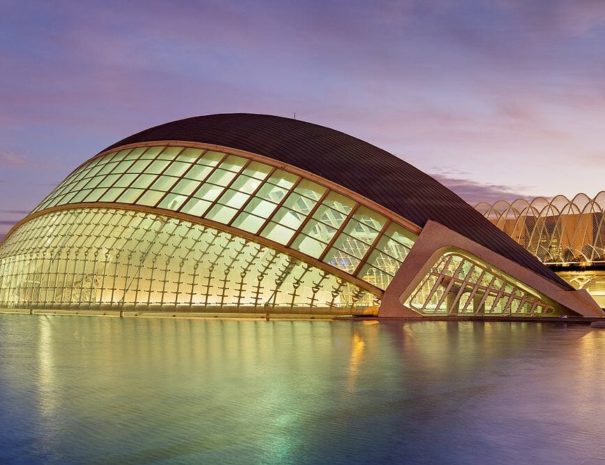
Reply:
x=241, y=213
x=566, y=235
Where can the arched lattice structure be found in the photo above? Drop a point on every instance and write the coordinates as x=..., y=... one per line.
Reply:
x=254, y=213
x=558, y=231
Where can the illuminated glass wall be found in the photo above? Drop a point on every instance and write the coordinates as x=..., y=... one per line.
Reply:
x=460, y=284
x=254, y=197
x=118, y=259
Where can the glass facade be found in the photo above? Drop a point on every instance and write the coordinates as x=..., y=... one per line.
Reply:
x=95, y=258
x=462, y=284
x=245, y=194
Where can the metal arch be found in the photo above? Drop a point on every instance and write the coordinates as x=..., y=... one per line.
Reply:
x=558, y=230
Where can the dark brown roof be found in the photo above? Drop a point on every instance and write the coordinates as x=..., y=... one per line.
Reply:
x=352, y=163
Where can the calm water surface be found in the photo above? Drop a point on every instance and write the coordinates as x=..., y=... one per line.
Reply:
x=77, y=390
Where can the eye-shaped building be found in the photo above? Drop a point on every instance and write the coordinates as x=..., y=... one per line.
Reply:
x=242, y=213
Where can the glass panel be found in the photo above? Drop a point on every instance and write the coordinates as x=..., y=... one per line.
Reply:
x=339, y=202
x=360, y=231
x=111, y=195
x=172, y=201
x=246, y=184
x=299, y=203
x=233, y=163
x=248, y=222
x=221, y=214
x=185, y=187
x=277, y=232
x=130, y=195
x=177, y=168
x=258, y=170
x=198, y=172
x=283, y=179
x=209, y=192
x=330, y=217
x=211, y=158
x=351, y=246
x=260, y=207
x=289, y=218
x=401, y=235
x=310, y=189
x=319, y=231
x=221, y=177
x=150, y=198
x=233, y=198
x=370, y=218
x=164, y=183
x=196, y=207
x=342, y=260
x=308, y=245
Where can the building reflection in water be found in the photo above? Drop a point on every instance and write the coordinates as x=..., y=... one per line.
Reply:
x=76, y=390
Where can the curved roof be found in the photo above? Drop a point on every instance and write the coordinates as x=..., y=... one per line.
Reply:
x=357, y=165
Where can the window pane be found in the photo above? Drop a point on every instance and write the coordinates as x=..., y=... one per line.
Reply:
x=248, y=222
x=299, y=203
x=246, y=184
x=277, y=233
x=257, y=170
x=111, y=195
x=185, y=187
x=341, y=260
x=310, y=189
x=221, y=214
x=139, y=166
x=189, y=155
x=233, y=163
x=144, y=180
x=289, y=218
x=221, y=177
x=260, y=207
x=351, y=246
x=130, y=195
x=401, y=235
x=339, y=202
x=361, y=231
x=198, y=172
x=319, y=231
x=125, y=180
x=172, y=201
x=209, y=192
x=164, y=183
x=150, y=198
x=308, y=245
x=157, y=166
x=370, y=218
x=272, y=193
x=196, y=207
x=211, y=158
x=177, y=169
x=233, y=198
x=283, y=179
x=328, y=216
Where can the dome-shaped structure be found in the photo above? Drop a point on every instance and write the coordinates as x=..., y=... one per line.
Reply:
x=256, y=213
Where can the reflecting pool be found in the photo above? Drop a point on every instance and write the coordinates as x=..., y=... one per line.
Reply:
x=77, y=390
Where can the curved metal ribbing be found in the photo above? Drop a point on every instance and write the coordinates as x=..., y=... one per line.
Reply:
x=558, y=231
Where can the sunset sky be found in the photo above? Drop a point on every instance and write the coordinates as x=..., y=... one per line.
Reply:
x=497, y=98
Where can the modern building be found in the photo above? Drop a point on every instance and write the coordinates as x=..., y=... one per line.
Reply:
x=567, y=235
x=242, y=213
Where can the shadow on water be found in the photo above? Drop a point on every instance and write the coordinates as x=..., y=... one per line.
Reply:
x=143, y=391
